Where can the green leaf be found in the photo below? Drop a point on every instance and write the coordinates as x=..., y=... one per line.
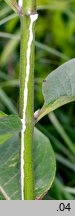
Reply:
x=9, y=168
x=58, y=88
x=44, y=165
x=2, y=114
x=10, y=124
x=5, y=137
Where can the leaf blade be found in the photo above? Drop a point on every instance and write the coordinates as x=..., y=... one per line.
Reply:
x=44, y=163
x=58, y=88
x=10, y=167
x=10, y=124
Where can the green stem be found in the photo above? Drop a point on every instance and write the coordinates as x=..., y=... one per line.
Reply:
x=27, y=100
x=29, y=7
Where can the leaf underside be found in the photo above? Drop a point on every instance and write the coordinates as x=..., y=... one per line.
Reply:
x=10, y=124
x=58, y=88
x=43, y=161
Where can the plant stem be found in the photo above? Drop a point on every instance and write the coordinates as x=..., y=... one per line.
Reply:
x=29, y=7
x=27, y=99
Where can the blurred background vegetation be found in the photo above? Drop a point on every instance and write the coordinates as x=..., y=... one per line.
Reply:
x=55, y=44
